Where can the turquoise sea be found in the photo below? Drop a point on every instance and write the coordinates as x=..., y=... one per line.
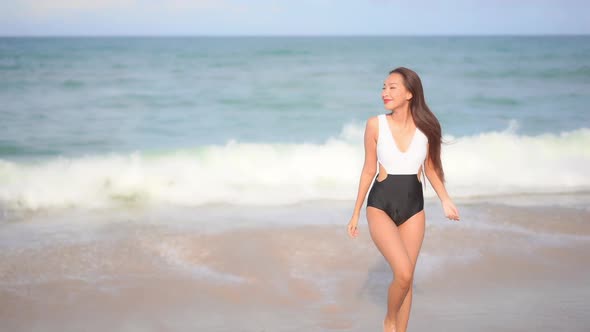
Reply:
x=89, y=121
x=205, y=183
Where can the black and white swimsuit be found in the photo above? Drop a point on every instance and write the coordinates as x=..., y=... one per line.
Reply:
x=400, y=194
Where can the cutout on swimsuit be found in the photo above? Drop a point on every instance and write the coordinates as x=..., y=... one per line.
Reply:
x=382, y=175
x=418, y=174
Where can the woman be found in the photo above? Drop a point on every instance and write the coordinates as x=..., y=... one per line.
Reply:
x=404, y=143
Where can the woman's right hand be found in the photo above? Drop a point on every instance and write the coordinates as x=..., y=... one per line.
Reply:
x=353, y=231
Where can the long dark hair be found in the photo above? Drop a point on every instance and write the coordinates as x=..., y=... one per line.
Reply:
x=423, y=117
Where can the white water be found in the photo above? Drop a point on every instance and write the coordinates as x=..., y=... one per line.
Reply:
x=488, y=164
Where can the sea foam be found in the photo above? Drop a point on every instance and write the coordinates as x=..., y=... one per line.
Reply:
x=487, y=164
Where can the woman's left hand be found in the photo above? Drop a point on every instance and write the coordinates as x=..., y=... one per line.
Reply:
x=450, y=209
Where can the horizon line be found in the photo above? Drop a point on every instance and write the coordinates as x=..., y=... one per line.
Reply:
x=292, y=35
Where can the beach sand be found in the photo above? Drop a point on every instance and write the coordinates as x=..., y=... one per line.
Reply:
x=501, y=268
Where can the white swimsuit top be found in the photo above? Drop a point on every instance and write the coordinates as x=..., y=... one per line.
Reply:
x=395, y=161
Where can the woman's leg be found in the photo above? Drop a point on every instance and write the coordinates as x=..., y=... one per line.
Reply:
x=387, y=238
x=412, y=234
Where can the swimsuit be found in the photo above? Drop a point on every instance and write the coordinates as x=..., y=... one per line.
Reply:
x=400, y=194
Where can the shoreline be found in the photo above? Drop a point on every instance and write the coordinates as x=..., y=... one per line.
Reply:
x=482, y=274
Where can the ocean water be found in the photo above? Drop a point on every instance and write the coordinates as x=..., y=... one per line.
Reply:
x=151, y=184
x=102, y=122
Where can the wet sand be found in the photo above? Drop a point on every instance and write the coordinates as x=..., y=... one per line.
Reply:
x=510, y=272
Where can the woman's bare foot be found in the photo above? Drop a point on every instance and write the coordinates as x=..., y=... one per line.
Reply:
x=388, y=325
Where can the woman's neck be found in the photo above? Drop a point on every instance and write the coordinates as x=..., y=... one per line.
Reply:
x=402, y=116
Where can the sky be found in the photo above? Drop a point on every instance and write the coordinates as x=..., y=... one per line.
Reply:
x=293, y=17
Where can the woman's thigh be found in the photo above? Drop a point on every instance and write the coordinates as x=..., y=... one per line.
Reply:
x=387, y=239
x=412, y=235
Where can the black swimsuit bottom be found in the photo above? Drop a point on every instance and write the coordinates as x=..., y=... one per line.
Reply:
x=398, y=195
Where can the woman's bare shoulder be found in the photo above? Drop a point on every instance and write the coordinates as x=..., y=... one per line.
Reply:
x=373, y=121
x=372, y=126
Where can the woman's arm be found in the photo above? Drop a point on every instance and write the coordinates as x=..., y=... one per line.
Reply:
x=368, y=172
x=449, y=208
x=434, y=179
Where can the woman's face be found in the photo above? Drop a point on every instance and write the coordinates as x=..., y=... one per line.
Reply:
x=394, y=93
